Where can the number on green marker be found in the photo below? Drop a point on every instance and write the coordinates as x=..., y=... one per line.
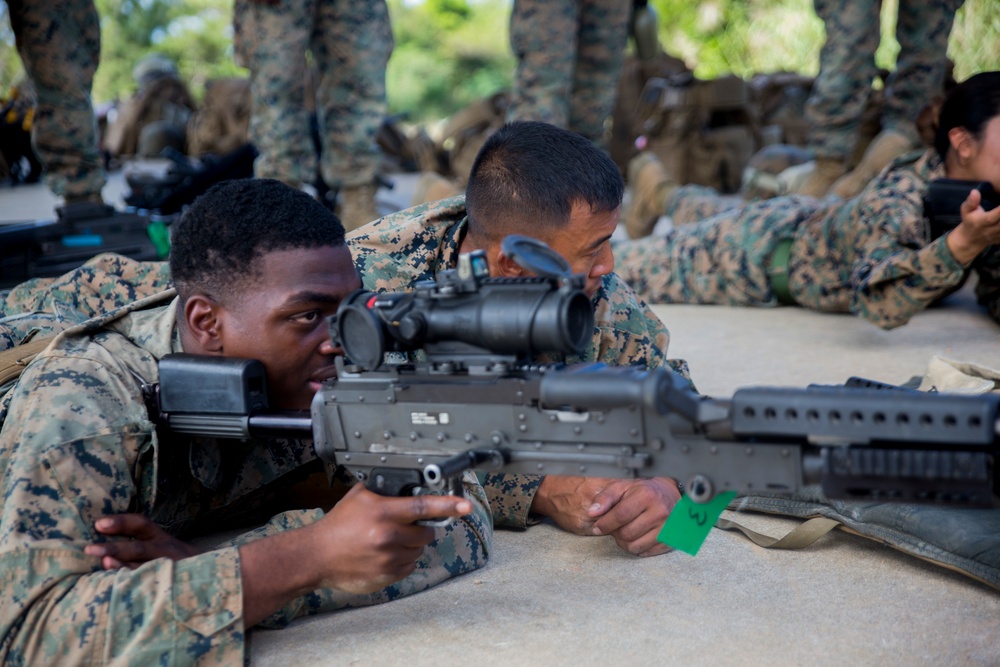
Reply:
x=688, y=524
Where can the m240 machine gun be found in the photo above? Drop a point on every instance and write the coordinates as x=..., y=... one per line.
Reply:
x=473, y=397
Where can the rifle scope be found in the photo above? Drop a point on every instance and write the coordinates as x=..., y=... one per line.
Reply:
x=466, y=315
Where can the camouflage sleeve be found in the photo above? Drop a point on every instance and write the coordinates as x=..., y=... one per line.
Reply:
x=459, y=547
x=103, y=283
x=898, y=273
x=67, y=451
x=510, y=496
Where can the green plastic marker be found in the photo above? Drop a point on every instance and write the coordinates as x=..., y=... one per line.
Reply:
x=159, y=234
x=689, y=522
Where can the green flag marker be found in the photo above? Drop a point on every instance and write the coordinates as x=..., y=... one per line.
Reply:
x=689, y=522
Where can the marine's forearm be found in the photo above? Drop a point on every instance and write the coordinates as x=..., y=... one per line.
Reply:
x=890, y=292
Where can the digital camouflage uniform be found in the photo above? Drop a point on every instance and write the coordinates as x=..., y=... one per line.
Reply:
x=78, y=444
x=399, y=250
x=569, y=59
x=59, y=43
x=46, y=306
x=870, y=255
x=350, y=42
x=847, y=68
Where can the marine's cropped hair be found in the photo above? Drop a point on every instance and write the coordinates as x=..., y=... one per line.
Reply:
x=971, y=104
x=529, y=175
x=217, y=243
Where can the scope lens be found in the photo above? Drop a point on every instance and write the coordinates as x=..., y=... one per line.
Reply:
x=361, y=333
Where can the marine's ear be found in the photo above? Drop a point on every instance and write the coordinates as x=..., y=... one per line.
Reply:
x=507, y=267
x=203, y=322
x=964, y=145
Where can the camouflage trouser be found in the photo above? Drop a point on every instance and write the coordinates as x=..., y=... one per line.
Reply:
x=46, y=306
x=693, y=203
x=350, y=42
x=569, y=59
x=459, y=547
x=847, y=67
x=722, y=259
x=60, y=44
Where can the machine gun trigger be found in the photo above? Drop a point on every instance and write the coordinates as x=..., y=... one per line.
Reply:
x=445, y=476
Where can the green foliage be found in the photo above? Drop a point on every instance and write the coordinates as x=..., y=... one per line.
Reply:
x=717, y=37
x=974, y=45
x=10, y=64
x=448, y=53
x=195, y=34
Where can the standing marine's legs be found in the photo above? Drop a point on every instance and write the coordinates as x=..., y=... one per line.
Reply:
x=543, y=37
x=352, y=45
x=601, y=43
x=60, y=44
x=279, y=122
x=922, y=29
x=847, y=68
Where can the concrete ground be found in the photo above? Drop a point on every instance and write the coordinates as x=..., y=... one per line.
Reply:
x=550, y=598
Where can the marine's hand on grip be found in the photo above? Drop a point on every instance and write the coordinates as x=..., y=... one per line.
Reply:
x=371, y=541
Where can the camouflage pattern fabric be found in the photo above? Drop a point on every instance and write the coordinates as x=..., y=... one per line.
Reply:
x=569, y=59
x=396, y=251
x=78, y=444
x=46, y=306
x=722, y=259
x=870, y=255
x=847, y=67
x=350, y=41
x=59, y=43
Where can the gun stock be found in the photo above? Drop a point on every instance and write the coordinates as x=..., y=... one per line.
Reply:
x=944, y=199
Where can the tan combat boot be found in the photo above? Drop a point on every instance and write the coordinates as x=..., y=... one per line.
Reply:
x=650, y=186
x=889, y=144
x=825, y=172
x=432, y=186
x=357, y=206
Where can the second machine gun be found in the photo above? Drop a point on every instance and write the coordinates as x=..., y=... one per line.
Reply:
x=474, y=398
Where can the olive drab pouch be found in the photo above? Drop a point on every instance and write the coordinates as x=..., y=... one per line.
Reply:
x=964, y=540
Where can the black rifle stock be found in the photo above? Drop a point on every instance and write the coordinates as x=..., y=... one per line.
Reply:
x=944, y=200
x=473, y=402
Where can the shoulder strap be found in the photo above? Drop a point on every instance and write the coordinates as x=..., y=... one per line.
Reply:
x=16, y=359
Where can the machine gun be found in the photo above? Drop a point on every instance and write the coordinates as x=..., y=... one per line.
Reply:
x=476, y=399
x=944, y=199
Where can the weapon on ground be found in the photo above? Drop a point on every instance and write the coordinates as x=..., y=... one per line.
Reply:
x=477, y=400
x=80, y=230
x=944, y=199
x=51, y=247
